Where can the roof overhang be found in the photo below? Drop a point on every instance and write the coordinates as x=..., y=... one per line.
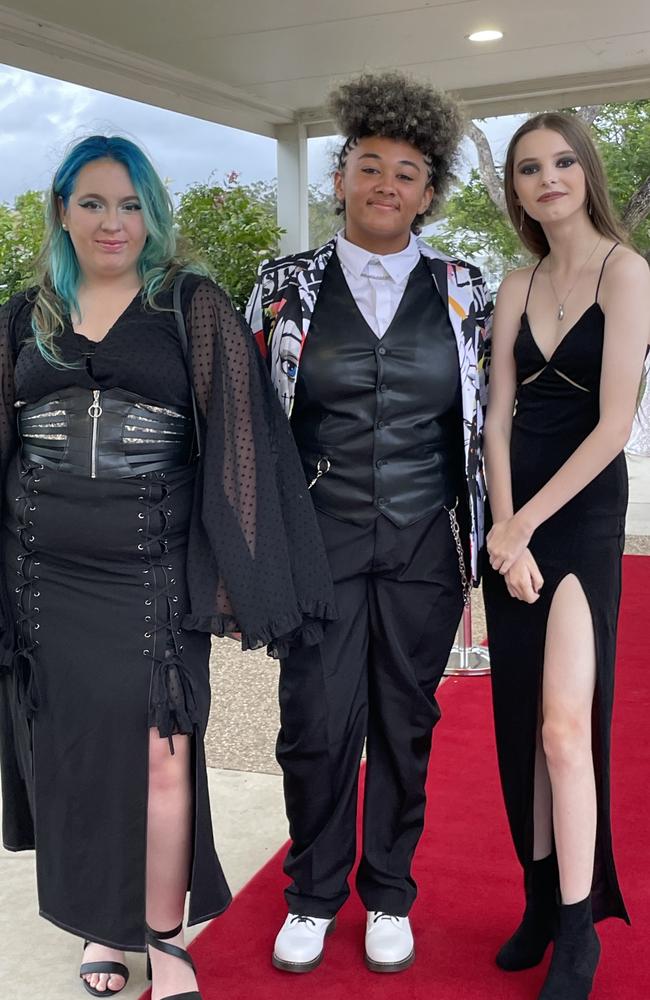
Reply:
x=260, y=66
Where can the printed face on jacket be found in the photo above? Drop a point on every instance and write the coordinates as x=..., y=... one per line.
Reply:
x=383, y=185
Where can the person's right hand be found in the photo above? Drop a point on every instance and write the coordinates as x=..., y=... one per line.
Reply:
x=524, y=580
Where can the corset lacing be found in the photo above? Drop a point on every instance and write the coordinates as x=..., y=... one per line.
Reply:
x=27, y=594
x=172, y=698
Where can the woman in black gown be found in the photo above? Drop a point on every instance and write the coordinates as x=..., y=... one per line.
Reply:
x=570, y=336
x=132, y=529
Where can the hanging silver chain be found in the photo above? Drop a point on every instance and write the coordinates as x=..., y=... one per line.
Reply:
x=466, y=584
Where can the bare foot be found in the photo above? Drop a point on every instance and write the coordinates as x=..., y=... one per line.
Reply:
x=101, y=981
x=170, y=975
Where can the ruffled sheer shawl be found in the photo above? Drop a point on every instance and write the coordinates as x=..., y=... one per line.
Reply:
x=256, y=562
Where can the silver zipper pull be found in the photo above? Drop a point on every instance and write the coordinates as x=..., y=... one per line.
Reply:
x=94, y=412
x=323, y=465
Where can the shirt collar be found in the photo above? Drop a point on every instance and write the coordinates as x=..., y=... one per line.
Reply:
x=397, y=265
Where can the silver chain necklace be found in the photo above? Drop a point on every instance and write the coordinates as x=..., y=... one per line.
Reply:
x=561, y=304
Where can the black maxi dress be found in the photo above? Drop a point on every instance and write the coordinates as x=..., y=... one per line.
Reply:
x=555, y=411
x=112, y=586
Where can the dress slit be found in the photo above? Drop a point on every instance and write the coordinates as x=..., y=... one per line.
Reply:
x=112, y=592
x=518, y=780
x=530, y=831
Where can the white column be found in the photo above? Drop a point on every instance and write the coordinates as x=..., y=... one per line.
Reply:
x=293, y=182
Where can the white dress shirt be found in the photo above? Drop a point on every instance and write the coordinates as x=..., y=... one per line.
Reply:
x=377, y=282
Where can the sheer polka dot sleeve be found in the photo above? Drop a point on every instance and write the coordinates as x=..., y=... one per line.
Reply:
x=256, y=562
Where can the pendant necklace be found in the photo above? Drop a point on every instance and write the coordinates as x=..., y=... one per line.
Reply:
x=560, y=311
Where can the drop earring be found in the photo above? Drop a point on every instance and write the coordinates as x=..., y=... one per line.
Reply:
x=521, y=217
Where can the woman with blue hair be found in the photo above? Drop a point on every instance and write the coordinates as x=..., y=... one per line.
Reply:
x=152, y=496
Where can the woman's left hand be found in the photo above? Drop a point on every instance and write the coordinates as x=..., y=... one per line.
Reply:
x=505, y=543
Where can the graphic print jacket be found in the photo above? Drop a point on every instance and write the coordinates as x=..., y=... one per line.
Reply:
x=280, y=310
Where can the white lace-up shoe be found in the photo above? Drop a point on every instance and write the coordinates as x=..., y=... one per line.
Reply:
x=389, y=942
x=300, y=943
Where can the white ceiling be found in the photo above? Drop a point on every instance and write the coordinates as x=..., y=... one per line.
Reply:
x=258, y=65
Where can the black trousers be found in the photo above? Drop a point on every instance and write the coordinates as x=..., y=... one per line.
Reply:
x=373, y=677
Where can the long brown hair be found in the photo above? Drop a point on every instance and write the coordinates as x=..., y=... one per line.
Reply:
x=599, y=206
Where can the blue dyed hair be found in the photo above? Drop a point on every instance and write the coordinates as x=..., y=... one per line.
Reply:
x=60, y=271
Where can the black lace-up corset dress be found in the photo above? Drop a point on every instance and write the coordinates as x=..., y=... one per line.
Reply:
x=557, y=406
x=97, y=506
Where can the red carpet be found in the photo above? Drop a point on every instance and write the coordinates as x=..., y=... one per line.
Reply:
x=469, y=882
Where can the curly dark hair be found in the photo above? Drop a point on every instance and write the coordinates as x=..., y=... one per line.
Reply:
x=395, y=106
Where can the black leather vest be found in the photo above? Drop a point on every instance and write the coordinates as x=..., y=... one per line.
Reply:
x=385, y=413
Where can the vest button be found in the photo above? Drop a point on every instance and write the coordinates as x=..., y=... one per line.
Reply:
x=381, y=501
x=383, y=387
x=382, y=350
x=381, y=462
x=381, y=424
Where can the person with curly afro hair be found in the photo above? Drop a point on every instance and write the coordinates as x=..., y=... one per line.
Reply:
x=377, y=347
x=391, y=106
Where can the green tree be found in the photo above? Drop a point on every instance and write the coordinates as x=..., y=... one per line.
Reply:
x=22, y=228
x=232, y=228
x=623, y=136
x=323, y=219
x=474, y=226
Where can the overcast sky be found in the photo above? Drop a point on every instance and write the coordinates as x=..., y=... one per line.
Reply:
x=40, y=116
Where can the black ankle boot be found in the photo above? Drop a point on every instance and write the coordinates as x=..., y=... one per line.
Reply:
x=528, y=944
x=575, y=955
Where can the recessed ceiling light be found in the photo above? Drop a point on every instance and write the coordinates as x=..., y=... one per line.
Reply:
x=485, y=36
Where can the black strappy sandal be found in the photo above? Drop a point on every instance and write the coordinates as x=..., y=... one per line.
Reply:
x=109, y=968
x=157, y=939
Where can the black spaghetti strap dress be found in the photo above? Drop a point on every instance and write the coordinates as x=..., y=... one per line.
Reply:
x=557, y=406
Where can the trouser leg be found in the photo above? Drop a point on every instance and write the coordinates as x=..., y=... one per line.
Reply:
x=415, y=608
x=323, y=706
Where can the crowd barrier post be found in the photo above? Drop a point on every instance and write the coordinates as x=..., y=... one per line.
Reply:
x=465, y=659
